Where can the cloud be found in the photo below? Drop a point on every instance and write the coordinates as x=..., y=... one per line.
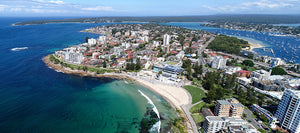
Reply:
x=99, y=8
x=2, y=7
x=56, y=2
x=266, y=4
x=49, y=7
x=254, y=6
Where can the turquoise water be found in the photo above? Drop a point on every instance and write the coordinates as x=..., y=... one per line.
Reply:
x=35, y=98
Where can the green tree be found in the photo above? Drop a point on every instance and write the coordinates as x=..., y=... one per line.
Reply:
x=278, y=71
x=138, y=64
x=186, y=63
x=87, y=39
x=104, y=64
x=85, y=68
x=113, y=57
x=248, y=63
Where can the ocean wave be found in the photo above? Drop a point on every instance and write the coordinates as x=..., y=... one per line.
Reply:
x=156, y=126
x=19, y=48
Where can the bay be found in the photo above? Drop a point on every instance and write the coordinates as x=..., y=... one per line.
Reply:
x=35, y=98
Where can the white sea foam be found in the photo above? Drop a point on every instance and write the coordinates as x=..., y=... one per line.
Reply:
x=156, y=126
x=19, y=48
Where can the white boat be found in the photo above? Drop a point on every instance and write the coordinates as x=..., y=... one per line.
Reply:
x=19, y=48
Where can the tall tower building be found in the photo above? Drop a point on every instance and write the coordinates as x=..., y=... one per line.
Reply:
x=166, y=39
x=288, y=111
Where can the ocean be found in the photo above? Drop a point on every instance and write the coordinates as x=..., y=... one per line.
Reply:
x=35, y=98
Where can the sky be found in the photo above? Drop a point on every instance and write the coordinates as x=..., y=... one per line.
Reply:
x=23, y=8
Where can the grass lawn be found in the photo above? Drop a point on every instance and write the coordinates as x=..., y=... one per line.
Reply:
x=197, y=93
x=253, y=116
x=198, y=118
x=197, y=108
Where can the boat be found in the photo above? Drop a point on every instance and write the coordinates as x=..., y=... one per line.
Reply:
x=19, y=48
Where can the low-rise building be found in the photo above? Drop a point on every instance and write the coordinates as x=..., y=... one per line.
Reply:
x=266, y=113
x=168, y=70
x=277, y=62
x=243, y=73
x=243, y=80
x=213, y=124
x=260, y=74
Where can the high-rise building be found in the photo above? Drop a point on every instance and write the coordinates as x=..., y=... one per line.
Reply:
x=288, y=111
x=166, y=40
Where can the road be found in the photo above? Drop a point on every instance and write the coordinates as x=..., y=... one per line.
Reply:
x=200, y=50
x=243, y=58
x=257, y=63
x=250, y=119
x=186, y=109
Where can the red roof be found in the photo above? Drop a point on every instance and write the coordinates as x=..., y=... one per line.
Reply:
x=212, y=54
x=174, y=52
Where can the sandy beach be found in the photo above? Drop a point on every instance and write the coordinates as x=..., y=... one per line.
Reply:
x=176, y=96
x=254, y=45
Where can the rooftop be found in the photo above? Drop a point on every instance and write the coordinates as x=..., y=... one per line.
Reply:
x=237, y=105
x=214, y=118
x=223, y=102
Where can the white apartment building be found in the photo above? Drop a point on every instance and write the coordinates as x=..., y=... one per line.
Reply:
x=288, y=111
x=277, y=62
x=74, y=58
x=102, y=39
x=218, y=62
x=92, y=41
x=166, y=39
x=213, y=124
x=260, y=74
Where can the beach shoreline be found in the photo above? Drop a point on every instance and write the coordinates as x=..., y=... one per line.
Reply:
x=175, y=96
x=254, y=45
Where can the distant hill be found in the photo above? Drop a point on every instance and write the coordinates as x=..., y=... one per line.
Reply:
x=258, y=19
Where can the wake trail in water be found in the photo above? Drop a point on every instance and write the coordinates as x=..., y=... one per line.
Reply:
x=156, y=126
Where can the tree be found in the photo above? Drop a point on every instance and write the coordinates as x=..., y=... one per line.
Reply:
x=112, y=56
x=278, y=71
x=160, y=72
x=186, y=63
x=104, y=64
x=138, y=64
x=251, y=56
x=87, y=39
x=248, y=63
x=85, y=68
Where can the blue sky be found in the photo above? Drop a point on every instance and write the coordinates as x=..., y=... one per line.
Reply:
x=145, y=7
